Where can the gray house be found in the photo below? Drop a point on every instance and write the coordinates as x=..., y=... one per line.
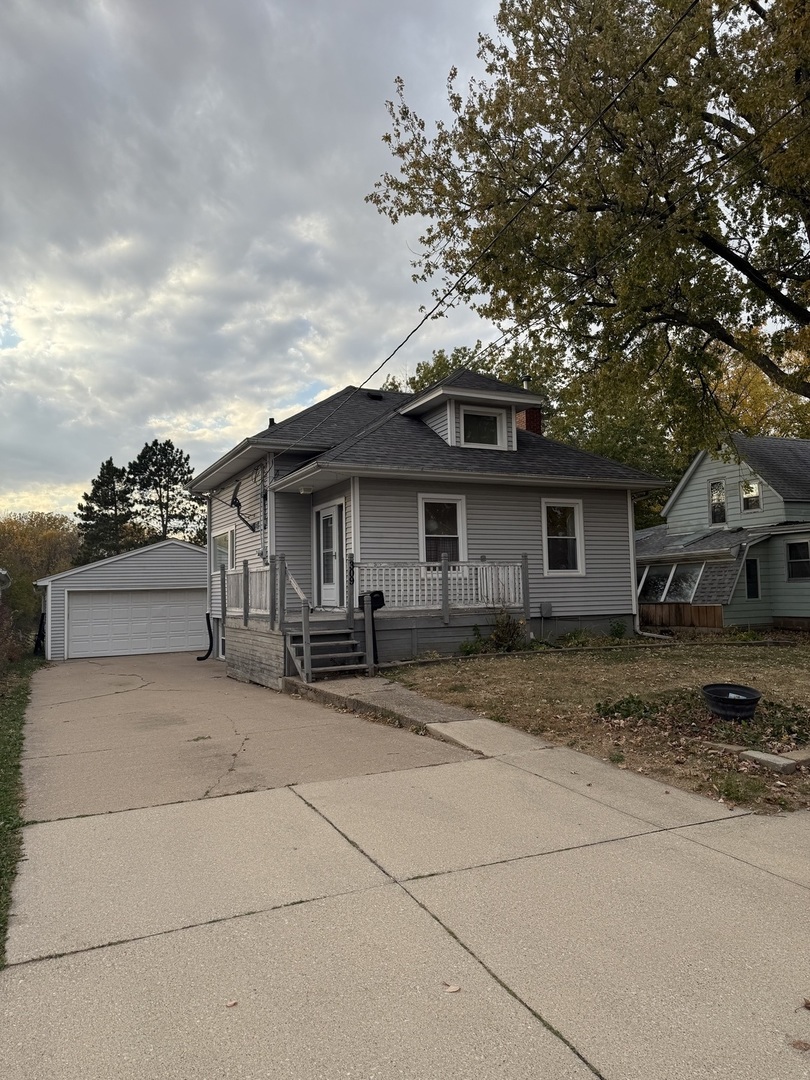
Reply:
x=735, y=549
x=449, y=503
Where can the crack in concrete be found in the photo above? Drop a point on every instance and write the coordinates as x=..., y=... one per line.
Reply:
x=194, y=926
x=231, y=768
x=97, y=697
x=505, y=986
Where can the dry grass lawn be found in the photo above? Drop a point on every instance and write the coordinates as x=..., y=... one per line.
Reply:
x=639, y=707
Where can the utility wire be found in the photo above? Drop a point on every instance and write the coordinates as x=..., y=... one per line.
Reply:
x=456, y=284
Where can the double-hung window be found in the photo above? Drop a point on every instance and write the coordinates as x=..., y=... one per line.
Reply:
x=563, y=541
x=442, y=528
x=222, y=550
x=798, y=561
x=750, y=496
x=717, y=502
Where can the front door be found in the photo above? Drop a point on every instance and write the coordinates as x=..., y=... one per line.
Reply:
x=330, y=549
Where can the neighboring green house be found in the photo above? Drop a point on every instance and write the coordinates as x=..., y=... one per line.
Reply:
x=735, y=549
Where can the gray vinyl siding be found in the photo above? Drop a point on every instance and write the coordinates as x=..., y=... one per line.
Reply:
x=247, y=544
x=294, y=537
x=741, y=611
x=791, y=599
x=503, y=523
x=437, y=420
x=797, y=511
x=691, y=509
x=160, y=566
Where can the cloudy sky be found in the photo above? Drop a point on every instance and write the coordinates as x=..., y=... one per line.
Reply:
x=184, y=245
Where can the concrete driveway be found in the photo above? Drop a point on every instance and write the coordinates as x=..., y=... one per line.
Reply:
x=367, y=903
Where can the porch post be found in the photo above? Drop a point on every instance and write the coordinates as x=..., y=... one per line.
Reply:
x=350, y=591
x=245, y=591
x=282, y=590
x=272, y=570
x=223, y=595
x=368, y=623
x=524, y=575
x=445, y=589
x=307, y=642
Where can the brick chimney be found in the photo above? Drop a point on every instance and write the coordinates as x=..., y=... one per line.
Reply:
x=530, y=419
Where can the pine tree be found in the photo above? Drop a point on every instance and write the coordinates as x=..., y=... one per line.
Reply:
x=107, y=516
x=160, y=476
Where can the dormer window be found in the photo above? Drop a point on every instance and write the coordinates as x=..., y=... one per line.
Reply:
x=483, y=428
x=717, y=502
x=750, y=495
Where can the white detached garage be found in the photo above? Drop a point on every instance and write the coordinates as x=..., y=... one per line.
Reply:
x=150, y=600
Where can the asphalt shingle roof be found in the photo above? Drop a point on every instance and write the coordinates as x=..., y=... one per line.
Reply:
x=330, y=421
x=782, y=463
x=407, y=444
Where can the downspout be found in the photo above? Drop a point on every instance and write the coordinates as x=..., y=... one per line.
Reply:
x=208, y=526
x=631, y=532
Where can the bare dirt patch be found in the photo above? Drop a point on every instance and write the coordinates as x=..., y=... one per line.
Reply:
x=640, y=708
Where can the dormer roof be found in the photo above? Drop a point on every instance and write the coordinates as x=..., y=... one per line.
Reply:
x=471, y=388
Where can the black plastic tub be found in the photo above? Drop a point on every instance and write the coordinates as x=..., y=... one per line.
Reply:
x=730, y=701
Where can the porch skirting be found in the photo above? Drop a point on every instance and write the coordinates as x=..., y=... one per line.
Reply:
x=256, y=653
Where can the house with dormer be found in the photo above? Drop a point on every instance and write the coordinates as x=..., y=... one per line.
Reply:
x=428, y=513
x=735, y=548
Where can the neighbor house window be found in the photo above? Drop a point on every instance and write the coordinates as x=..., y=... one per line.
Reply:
x=483, y=428
x=222, y=552
x=442, y=524
x=752, y=579
x=798, y=561
x=670, y=583
x=563, y=537
x=750, y=495
x=717, y=502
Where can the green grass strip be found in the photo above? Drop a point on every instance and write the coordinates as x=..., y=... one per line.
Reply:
x=15, y=684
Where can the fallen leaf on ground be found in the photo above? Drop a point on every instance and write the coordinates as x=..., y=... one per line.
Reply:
x=451, y=988
x=230, y=1004
x=800, y=1044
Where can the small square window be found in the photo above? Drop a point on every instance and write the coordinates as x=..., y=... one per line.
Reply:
x=483, y=428
x=717, y=502
x=798, y=561
x=750, y=495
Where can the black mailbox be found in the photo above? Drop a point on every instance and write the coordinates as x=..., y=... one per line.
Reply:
x=375, y=596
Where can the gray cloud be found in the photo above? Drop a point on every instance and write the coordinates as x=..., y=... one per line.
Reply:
x=184, y=246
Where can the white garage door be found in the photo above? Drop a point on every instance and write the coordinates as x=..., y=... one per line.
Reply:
x=122, y=623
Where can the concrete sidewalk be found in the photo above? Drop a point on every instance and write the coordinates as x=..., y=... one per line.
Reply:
x=594, y=922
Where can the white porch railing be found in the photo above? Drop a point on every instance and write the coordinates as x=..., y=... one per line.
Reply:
x=406, y=586
x=422, y=585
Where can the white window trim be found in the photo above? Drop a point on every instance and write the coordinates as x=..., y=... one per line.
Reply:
x=231, y=564
x=480, y=410
x=451, y=423
x=758, y=597
x=757, y=509
x=709, y=482
x=580, y=537
x=461, y=516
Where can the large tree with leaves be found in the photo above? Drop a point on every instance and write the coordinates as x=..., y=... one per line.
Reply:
x=629, y=206
x=107, y=516
x=160, y=475
x=34, y=545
